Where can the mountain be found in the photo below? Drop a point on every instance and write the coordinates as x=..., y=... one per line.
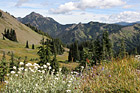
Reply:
x=127, y=24
x=71, y=32
x=23, y=32
x=46, y=24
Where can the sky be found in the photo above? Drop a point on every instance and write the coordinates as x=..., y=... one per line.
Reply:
x=76, y=11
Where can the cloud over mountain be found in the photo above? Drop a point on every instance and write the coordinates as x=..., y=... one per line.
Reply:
x=85, y=4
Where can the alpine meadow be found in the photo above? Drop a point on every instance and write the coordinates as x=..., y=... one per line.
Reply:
x=70, y=46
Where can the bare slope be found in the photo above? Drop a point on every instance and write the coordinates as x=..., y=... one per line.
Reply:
x=23, y=32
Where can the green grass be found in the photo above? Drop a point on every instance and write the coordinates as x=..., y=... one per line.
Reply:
x=118, y=76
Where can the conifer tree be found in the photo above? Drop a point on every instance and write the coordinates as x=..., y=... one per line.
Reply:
x=107, y=46
x=76, y=52
x=27, y=46
x=44, y=52
x=54, y=62
x=122, y=50
x=98, y=51
x=33, y=47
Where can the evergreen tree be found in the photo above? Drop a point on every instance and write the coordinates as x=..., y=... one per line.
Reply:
x=44, y=52
x=27, y=46
x=33, y=47
x=122, y=50
x=107, y=46
x=97, y=54
x=76, y=54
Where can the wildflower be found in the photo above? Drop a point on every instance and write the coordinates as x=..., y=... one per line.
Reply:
x=24, y=90
x=68, y=91
x=109, y=75
x=48, y=64
x=87, y=60
x=41, y=77
x=20, y=69
x=56, y=78
x=60, y=69
x=14, y=67
x=45, y=66
x=26, y=69
x=36, y=85
x=7, y=74
x=53, y=70
x=82, y=67
x=13, y=72
x=41, y=67
x=43, y=71
x=102, y=68
x=28, y=64
x=21, y=63
x=16, y=75
x=6, y=82
x=50, y=67
x=69, y=81
x=35, y=67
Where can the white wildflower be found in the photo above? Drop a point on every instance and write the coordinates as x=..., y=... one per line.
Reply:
x=21, y=63
x=16, y=75
x=60, y=69
x=48, y=64
x=68, y=91
x=28, y=64
x=50, y=67
x=56, y=78
x=53, y=70
x=82, y=67
x=43, y=71
x=6, y=82
x=41, y=77
x=7, y=74
x=36, y=85
x=41, y=67
x=20, y=69
x=14, y=67
x=26, y=69
x=24, y=90
x=13, y=72
x=45, y=66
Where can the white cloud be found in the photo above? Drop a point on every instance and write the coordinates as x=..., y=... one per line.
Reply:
x=84, y=4
x=126, y=16
x=20, y=2
x=128, y=6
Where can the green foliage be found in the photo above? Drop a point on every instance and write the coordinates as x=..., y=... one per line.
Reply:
x=74, y=54
x=122, y=50
x=3, y=67
x=107, y=47
x=10, y=34
x=44, y=52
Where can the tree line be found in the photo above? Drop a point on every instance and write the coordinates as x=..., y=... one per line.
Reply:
x=10, y=34
x=94, y=51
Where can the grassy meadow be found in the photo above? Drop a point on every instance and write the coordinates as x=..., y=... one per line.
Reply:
x=117, y=76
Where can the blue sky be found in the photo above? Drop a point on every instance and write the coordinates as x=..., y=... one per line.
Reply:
x=75, y=11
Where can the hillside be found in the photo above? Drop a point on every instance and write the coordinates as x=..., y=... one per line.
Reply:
x=23, y=33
